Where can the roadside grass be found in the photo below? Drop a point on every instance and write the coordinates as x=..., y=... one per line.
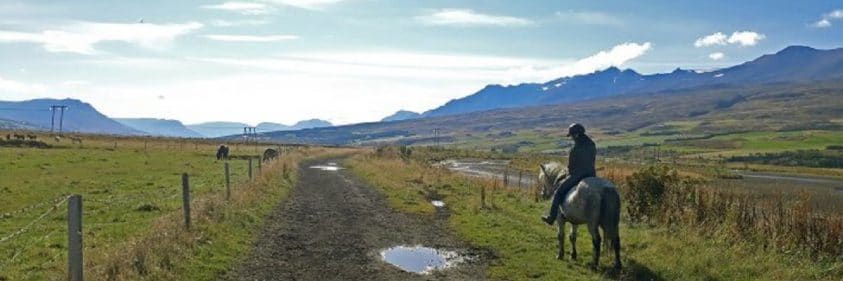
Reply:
x=525, y=249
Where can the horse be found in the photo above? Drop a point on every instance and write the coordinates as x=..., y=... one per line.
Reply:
x=222, y=153
x=19, y=137
x=269, y=154
x=594, y=202
x=32, y=137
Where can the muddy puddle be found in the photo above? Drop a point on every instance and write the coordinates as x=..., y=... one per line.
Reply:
x=329, y=167
x=418, y=259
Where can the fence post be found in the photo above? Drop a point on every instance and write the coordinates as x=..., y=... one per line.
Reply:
x=506, y=178
x=227, y=182
x=74, y=238
x=519, y=179
x=260, y=161
x=250, y=168
x=185, y=194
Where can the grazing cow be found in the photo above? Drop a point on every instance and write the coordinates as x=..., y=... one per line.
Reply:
x=269, y=154
x=222, y=153
x=594, y=202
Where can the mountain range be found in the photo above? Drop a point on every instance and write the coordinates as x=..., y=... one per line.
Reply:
x=792, y=64
x=159, y=127
x=78, y=117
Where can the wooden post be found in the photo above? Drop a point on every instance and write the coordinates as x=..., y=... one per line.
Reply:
x=519, y=178
x=74, y=238
x=260, y=161
x=185, y=194
x=144, y=144
x=482, y=196
x=506, y=177
x=227, y=182
x=250, y=168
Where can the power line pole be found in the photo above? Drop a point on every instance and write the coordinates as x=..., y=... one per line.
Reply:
x=436, y=137
x=53, y=117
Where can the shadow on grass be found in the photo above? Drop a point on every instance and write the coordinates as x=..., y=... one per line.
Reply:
x=632, y=271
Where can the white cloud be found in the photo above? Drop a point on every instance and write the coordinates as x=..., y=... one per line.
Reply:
x=305, y=4
x=467, y=17
x=822, y=23
x=590, y=17
x=742, y=38
x=246, y=8
x=14, y=90
x=716, y=56
x=251, y=38
x=746, y=38
x=81, y=37
x=617, y=56
x=714, y=39
x=826, y=19
x=229, y=23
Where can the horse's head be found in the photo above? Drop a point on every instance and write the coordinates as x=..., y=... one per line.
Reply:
x=549, y=177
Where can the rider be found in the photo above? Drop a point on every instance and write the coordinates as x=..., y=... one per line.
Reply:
x=581, y=160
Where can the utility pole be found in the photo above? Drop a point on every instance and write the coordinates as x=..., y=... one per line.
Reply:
x=53, y=117
x=436, y=137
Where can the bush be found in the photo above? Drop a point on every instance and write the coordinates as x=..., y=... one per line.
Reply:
x=646, y=189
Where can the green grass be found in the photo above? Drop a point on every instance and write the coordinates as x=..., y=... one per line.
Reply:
x=127, y=192
x=526, y=248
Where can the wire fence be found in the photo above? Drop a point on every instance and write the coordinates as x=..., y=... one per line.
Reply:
x=20, y=242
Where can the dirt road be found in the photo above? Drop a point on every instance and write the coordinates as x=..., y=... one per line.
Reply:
x=333, y=227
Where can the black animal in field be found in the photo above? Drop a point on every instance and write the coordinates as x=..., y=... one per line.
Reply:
x=222, y=153
x=269, y=154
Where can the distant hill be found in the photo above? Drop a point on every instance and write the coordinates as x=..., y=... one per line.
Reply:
x=218, y=129
x=715, y=110
x=78, y=117
x=269, y=127
x=159, y=127
x=795, y=64
x=311, y=123
x=16, y=125
x=401, y=115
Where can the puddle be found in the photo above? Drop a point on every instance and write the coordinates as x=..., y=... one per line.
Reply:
x=419, y=259
x=326, y=168
x=437, y=203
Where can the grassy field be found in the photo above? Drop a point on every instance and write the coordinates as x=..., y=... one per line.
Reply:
x=507, y=223
x=131, y=189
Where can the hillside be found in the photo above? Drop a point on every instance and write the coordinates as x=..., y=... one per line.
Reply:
x=401, y=115
x=78, y=117
x=159, y=127
x=795, y=64
x=714, y=109
x=218, y=129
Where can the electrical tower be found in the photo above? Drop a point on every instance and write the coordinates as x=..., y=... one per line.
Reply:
x=53, y=117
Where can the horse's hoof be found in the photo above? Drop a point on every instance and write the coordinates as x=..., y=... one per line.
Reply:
x=574, y=257
x=593, y=266
x=560, y=257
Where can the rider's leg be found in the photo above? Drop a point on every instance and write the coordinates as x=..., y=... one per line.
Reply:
x=558, y=196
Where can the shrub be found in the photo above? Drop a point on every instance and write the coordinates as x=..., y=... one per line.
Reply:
x=645, y=190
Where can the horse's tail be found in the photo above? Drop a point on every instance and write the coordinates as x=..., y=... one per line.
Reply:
x=610, y=213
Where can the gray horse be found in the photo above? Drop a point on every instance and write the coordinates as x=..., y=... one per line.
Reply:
x=594, y=202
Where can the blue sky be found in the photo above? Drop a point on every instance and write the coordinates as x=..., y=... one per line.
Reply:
x=350, y=61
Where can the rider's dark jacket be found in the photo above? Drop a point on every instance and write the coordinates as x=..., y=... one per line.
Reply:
x=581, y=158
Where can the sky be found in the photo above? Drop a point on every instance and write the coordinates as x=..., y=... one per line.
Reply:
x=350, y=61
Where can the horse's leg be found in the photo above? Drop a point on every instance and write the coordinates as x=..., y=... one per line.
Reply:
x=573, y=241
x=595, y=243
x=561, y=236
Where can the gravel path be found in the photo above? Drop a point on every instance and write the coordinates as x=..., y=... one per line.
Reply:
x=333, y=227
